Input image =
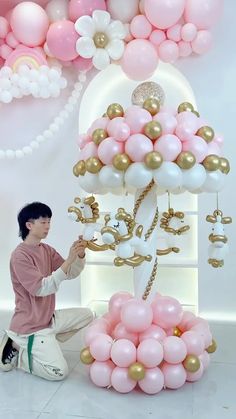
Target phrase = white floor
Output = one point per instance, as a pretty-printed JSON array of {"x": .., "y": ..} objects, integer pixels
[{"x": 214, "y": 397}]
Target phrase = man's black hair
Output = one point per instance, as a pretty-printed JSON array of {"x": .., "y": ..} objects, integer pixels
[{"x": 32, "y": 211}]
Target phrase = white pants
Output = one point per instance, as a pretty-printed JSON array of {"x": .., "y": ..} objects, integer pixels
[{"x": 47, "y": 359}]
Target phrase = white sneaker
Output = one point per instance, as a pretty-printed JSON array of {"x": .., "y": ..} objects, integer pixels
[{"x": 8, "y": 354}]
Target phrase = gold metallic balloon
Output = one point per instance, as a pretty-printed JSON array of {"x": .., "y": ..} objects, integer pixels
[
  {"x": 152, "y": 105},
  {"x": 136, "y": 371},
  {"x": 224, "y": 165},
  {"x": 211, "y": 162},
  {"x": 177, "y": 332},
  {"x": 79, "y": 168},
  {"x": 191, "y": 363},
  {"x": 153, "y": 130},
  {"x": 196, "y": 113},
  {"x": 207, "y": 133},
  {"x": 100, "y": 39},
  {"x": 114, "y": 110},
  {"x": 153, "y": 160},
  {"x": 186, "y": 160},
  {"x": 93, "y": 165},
  {"x": 121, "y": 161},
  {"x": 99, "y": 135},
  {"x": 86, "y": 356},
  {"x": 185, "y": 106},
  {"x": 212, "y": 348}
]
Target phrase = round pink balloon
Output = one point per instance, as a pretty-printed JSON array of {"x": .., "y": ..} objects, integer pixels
[
  {"x": 61, "y": 40},
  {"x": 82, "y": 140},
  {"x": 98, "y": 123},
  {"x": 116, "y": 302},
  {"x": 120, "y": 380},
  {"x": 187, "y": 317},
  {"x": 4, "y": 27},
  {"x": 79, "y": 8},
  {"x": 100, "y": 373},
  {"x": 136, "y": 315},
  {"x": 203, "y": 13},
  {"x": 169, "y": 146},
  {"x": 139, "y": 60},
  {"x": 100, "y": 347},
  {"x": 164, "y": 13},
  {"x": 204, "y": 332},
  {"x": 91, "y": 333},
  {"x": 185, "y": 49},
  {"x": 157, "y": 37},
  {"x": 194, "y": 342},
  {"x": 167, "y": 312},
  {"x": 108, "y": 148},
  {"x": 89, "y": 150},
  {"x": 140, "y": 27},
  {"x": 82, "y": 64},
  {"x": 188, "y": 32},
  {"x": 120, "y": 332},
  {"x": 188, "y": 124},
  {"x": 29, "y": 23},
  {"x": 150, "y": 353},
  {"x": 203, "y": 42},
  {"x": 153, "y": 332},
  {"x": 174, "y": 375},
  {"x": 137, "y": 118},
  {"x": 137, "y": 146},
  {"x": 197, "y": 146},
  {"x": 168, "y": 51},
  {"x": 168, "y": 122},
  {"x": 123, "y": 352},
  {"x": 214, "y": 148},
  {"x": 153, "y": 382},
  {"x": 11, "y": 40},
  {"x": 205, "y": 359},
  {"x": 175, "y": 350},
  {"x": 118, "y": 129}
]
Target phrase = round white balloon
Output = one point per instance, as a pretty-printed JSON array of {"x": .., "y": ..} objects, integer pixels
[
  {"x": 123, "y": 10},
  {"x": 194, "y": 178},
  {"x": 168, "y": 176},
  {"x": 110, "y": 177},
  {"x": 57, "y": 10},
  {"x": 214, "y": 181},
  {"x": 138, "y": 176},
  {"x": 89, "y": 182}
]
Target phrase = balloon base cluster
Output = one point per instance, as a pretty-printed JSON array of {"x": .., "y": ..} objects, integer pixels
[{"x": 153, "y": 346}]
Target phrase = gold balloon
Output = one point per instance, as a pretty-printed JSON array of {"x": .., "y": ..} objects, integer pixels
[
  {"x": 212, "y": 348},
  {"x": 196, "y": 113},
  {"x": 224, "y": 165},
  {"x": 207, "y": 133},
  {"x": 114, "y": 110},
  {"x": 153, "y": 160},
  {"x": 185, "y": 106},
  {"x": 177, "y": 332},
  {"x": 121, "y": 161},
  {"x": 211, "y": 162},
  {"x": 153, "y": 130},
  {"x": 86, "y": 356},
  {"x": 136, "y": 371},
  {"x": 79, "y": 168},
  {"x": 93, "y": 165},
  {"x": 191, "y": 363},
  {"x": 100, "y": 39},
  {"x": 152, "y": 105},
  {"x": 186, "y": 160},
  {"x": 99, "y": 135}
]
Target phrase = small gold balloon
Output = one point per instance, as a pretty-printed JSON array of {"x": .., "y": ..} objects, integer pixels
[
  {"x": 177, "y": 332},
  {"x": 100, "y": 39},
  {"x": 186, "y": 160},
  {"x": 224, "y": 165},
  {"x": 136, "y": 371},
  {"x": 211, "y": 162},
  {"x": 207, "y": 133},
  {"x": 104, "y": 115},
  {"x": 86, "y": 356},
  {"x": 191, "y": 363},
  {"x": 93, "y": 165},
  {"x": 121, "y": 161},
  {"x": 185, "y": 106},
  {"x": 79, "y": 168},
  {"x": 153, "y": 130},
  {"x": 114, "y": 110},
  {"x": 153, "y": 160},
  {"x": 99, "y": 135},
  {"x": 152, "y": 105},
  {"x": 212, "y": 348},
  {"x": 196, "y": 113}
]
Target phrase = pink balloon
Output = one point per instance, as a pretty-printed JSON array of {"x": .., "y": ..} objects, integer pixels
[
  {"x": 82, "y": 64},
  {"x": 153, "y": 381},
  {"x": 137, "y": 146},
  {"x": 79, "y": 8},
  {"x": 100, "y": 373},
  {"x": 120, "y": 332},
  {"x": 214, "y": 148},
  {"x": 29, "y": 23},
  {"x": 205, "y": 359},
  {"x": 174, "y": 375},
  {"x": 89, "y": 150},
  {"x": 195, "y": 376},
  {"x": 185, "y": 49},
  {"x": 150, "y": 353},
  {"x": 82, "y": 140},
  {"x": 188, "y": 124},
  {"x": 174, "y": 33},
  {"x": 137, "y": 118},
  {"x": 194, "y": 342},
  {"x": 168, "y": 51},
  {"x": 169, "y": 146},
  {"x": 164, "y": 13},
  {"x": 108, "y": 148},
  {"x": 120, "y": 380},
  {"x": 116, "y": 302},
  {"x": 98, "y": 123},
  {"x": 219, "y": 140},
  {"x": 136, "y": 315},
  {"x": 168, "y": 122},
  {"x": 118, "y": 129},
  {"x": 123, "y": 353},
  {"x": 11, "y": 40},
  {"x": 157, "y": 37},
  {"x": 197, "y": 146},
  {"x": 140, "y": 27},
  {"x": 202, "y": 43},
  {"x": 139, "y": 60},
  {"x": 101, "y": 322},
  {"x": 188, "y": 32},
  {"x": 167, "y": 312},
  {"x": 203, "y": 13},
  {"x": 204, "y": 332},
  {"x": 187, "y": 317},
  {"x": 91, "y": 333},
  {"x": 4, "y": 27},
  {"x": 61, "y": 40},
  {"x": 153, "y": 332},
  {"x": 5, "y": 51},
  {"x": 100, "y": 347},
  {"x": 175, "y": 350}
]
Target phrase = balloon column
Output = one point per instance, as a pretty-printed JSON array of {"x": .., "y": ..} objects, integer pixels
[{"x": 36, "y": 43}]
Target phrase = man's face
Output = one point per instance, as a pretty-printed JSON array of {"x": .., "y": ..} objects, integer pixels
[{"x": 39, "y": 228}]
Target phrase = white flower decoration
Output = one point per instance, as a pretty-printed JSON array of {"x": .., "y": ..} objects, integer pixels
[{"x": 101, "y": 38}]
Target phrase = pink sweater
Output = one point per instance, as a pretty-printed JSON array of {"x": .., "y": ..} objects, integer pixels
[{"x": 28, "y": 266}]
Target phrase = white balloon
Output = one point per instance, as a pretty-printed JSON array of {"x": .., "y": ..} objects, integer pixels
[
  {"x": 110, "y": 177},
  {"x": 123, "y": 10},
  {"x": 5, "y": 96},
  {"x": 89, "y": 182},
  {"x": 137, "y": 175},
  {"x": 194, "y": 178},
  {"x": 178, "y": 190},
  {"x": 214, "y": 181},
  {"x": 57, "y": 10},
  {"x": 168, "y": 176}
]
